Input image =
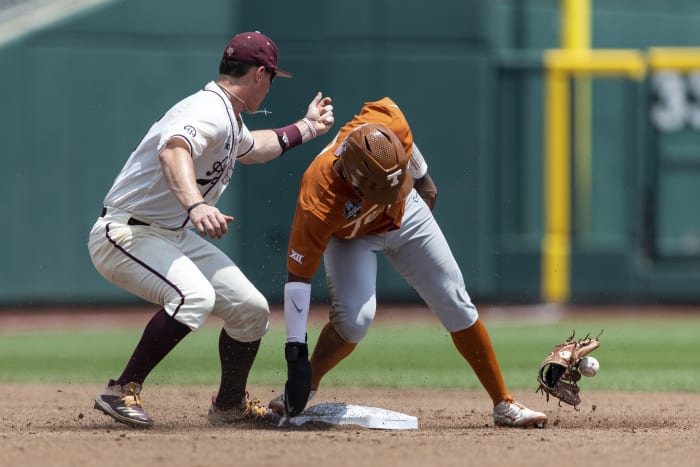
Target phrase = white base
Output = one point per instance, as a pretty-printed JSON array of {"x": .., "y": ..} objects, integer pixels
[{"x": 344, "y": 414}]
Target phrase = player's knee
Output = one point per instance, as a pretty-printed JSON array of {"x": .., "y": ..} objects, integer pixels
[
  {"x": 258, "y": 312},
  {"x": 351, "y": 335},
  {"x": 456, "y": 315},
  {"x": 351, "y": 332},
  {"x": 203, "y": 300},
  {"x": 194, "y": 308},
  {"x": 352, "y": 320},
  {"x": 248, "y": 321}
]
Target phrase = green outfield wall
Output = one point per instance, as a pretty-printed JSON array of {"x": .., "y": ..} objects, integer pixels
[{"x": 77, "y": 97}]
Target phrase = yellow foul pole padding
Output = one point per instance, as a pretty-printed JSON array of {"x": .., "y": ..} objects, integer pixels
[
  {"x": 575, "y": 19},
  {"x": 576, "y": 16},
  {"x": 556, "y": 244},
  {"x": 680, "y": 59},
  {"x": 560, "y": 65},
  {"x": 576, "y": 35}
]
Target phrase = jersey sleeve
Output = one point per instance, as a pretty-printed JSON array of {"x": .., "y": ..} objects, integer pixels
[
  {"x": 246, "y": 141},
  {"x": 308, "y": 240},
  {"x": 200, "y": 124}
]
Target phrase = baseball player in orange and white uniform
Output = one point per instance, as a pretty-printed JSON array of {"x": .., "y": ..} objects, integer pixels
[
  {"x": 145, "y": 239},
  {"x": 368, "y": 191}
]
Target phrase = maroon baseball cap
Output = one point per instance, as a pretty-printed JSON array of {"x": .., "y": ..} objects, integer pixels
[{"x": 256, "y": 49}]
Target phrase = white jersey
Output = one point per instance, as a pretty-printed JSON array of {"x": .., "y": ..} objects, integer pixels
[{"x": 207, "y": 122}]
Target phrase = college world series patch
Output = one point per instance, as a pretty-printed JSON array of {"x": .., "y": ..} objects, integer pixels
[{"x": 352, "y": 209}]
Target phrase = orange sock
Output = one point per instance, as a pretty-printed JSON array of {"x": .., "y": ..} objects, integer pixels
[
  {"x": 329, "y": 351},
  {"x": 474, "y": 344}
]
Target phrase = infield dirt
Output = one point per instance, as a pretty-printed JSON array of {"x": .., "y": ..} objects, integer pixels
[{"x": 55, "y": 425}]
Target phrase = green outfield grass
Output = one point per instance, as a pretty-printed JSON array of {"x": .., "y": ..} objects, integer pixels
[{"x": 644, "y": 355}]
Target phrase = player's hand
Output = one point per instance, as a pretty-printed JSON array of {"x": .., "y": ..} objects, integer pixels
[
  {"x": 298, "y": 385},
  {"x": 208, "y": 220},
  {"x": 320, "y": 113},
  {"x": 427, "y": 190}
]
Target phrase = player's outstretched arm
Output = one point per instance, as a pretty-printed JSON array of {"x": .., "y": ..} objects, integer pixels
[{"x": 272, "y": 143}]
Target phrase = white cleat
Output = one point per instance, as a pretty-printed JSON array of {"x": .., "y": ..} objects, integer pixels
[
  {"x": 513, "y": 414},
  {"x": 277, "y": 404}
]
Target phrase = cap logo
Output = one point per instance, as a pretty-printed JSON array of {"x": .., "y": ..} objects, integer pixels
[
  {"x": 229, "y": 51},
  {"x": 393, "y": 177}
]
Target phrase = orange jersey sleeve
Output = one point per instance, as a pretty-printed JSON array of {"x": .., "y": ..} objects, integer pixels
[{"x": 328, "y": 206}]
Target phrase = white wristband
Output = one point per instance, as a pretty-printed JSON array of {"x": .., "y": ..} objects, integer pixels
[
  {"x": 311, "y": 127},
  {"x": 297, "y": 299}
]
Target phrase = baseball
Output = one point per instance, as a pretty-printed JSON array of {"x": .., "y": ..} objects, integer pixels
[{"x": 588, "y": 366}]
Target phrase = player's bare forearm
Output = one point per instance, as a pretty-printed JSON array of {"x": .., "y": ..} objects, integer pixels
[
  {"x": 266, "y": 148},
  {"x": 426, "y": 189},
  {"x": 178, "y": 170},
  {"x": 317, "y": 121}
]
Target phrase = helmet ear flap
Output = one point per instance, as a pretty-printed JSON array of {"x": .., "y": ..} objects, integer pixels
[{"x": 352, "y": 165}]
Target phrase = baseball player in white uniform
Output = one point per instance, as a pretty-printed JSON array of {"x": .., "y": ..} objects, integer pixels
[{"x": 144, "y": 239}]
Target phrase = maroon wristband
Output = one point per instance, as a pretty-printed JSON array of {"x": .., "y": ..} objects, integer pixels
[{"x": 288, "y": 136}]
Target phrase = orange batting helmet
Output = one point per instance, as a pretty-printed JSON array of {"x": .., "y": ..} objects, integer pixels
[{"x": 375, "y": 163}]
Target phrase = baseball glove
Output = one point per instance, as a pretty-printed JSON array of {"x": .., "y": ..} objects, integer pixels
[{"x": 559, "y": 373}]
